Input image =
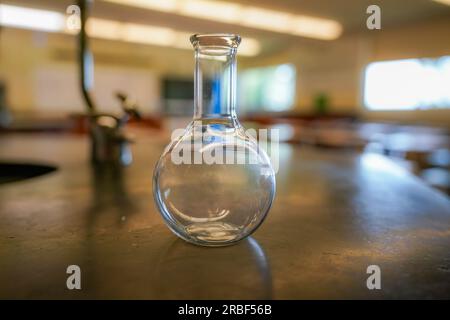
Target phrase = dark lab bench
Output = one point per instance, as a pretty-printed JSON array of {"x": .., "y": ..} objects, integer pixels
[{"x": 335, "y": 214}]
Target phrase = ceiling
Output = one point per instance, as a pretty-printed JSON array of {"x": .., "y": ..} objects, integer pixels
[{"x": 350, "y": 13}]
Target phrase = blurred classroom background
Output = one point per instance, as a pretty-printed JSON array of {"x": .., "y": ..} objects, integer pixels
[{"x": 311, "y": 68}]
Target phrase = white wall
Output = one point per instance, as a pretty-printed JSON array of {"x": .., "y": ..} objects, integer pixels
[
  {"x": 56, "y": 88},
  {"x": 41, "y": 72}
]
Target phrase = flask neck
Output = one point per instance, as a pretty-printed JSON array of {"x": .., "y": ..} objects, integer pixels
[{"x": 215, "y": 83}]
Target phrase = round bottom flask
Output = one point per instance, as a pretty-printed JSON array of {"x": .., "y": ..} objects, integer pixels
[{"x": 213, "y": 184}]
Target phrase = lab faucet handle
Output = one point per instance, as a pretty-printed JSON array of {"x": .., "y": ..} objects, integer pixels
[{"x": 129, "y": 106}]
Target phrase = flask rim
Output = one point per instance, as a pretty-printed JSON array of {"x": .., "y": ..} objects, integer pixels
[{"x": 215, "y": 40}]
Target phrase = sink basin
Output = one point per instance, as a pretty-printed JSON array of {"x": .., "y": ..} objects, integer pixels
[{"x": 11, "y": 171}]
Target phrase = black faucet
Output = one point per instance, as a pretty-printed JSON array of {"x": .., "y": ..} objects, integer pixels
[{"x": 109, "y": 141}]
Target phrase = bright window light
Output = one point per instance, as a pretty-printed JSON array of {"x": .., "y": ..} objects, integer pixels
[
  {"x": 267, "y": 89},
  {"x": 408, "y": 84}
]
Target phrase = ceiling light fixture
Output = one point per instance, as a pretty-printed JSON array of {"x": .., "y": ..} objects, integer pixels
[
  {"x": 52, "y": 21},
  {"x": 447, "y": 2},
  {"x": 217, "y": 10},
  {"x": 248, "y": 16},
  {"x": 159, "y": 5}
]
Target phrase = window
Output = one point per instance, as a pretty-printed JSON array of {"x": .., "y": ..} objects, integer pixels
[
  {"x": 267, "y": 89},
  {"x": 408, "y": 84}
]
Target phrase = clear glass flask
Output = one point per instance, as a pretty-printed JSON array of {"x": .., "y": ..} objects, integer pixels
[{"x": 213, "y": 184}]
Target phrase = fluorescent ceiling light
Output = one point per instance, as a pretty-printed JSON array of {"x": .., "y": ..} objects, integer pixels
[
  {"x": 148, "y": 34},
  {"x": 34, "y": 19},
  {"x": 217, "y": 10},
  {"x": 160, "y": 5},
  {"x": 266, "y": 19},
  {"x": 107, "y": 29},
  {"x": 52, "y": 21},
  {"x": 130, "y": 32},
  {"x": 447, "y": 2},
  {"x": 249, "y": 16},
  {"x": 145, "y": 34},
  {"x": 323, "y": 29}
]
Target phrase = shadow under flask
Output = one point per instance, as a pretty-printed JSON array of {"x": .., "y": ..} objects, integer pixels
[{"x": 213, "y": 184}]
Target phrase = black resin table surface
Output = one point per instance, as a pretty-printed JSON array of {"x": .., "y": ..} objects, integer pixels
[{"x": 335, "y": 213}]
